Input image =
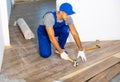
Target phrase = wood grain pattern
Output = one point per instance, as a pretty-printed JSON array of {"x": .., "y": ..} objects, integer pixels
[
  {"x": 106, "y": 75},
  {"x": 92, "y": 71}
]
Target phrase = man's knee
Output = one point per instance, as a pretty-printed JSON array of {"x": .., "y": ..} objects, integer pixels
[{"x": 45, "y": 54}]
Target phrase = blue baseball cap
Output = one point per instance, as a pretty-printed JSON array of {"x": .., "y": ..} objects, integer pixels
[{"x": 67, "y": 8}]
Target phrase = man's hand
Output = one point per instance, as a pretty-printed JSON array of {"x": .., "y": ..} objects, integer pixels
[
  {"x": 81, "y": 54},
  {"x": 64, "y": 56}
]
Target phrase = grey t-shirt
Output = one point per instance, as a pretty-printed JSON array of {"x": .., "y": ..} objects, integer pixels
[{"x": 49, "y": 20}]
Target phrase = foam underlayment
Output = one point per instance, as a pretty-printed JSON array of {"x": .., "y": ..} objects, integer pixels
[{"x": 28, "y": 34}]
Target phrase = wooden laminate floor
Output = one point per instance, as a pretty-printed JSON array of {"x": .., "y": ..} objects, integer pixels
[{"x": 22, "y": 61}]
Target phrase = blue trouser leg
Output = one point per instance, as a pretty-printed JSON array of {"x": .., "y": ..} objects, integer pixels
[
  {"x": 43, "y": 42},
  {"x": 62, "y": 33}
]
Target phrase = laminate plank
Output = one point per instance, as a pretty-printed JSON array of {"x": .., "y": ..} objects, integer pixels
[
  {"x": 106, "y": 75},
  {"x": 83, "y": 75}
]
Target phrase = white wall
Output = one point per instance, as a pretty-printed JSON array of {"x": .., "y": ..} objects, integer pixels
[
  {"x": 4, "y": 17},
  {"x": 96, "y": 19},
  {"x": 9, "y": 3},
  {"x": 1, "y": 43},
  {"x": 5, "y": 9},
  {"x": 13, "y": 2}
]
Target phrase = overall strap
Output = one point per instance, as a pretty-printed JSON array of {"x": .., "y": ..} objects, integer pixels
[{"x": 55, "y": 17}]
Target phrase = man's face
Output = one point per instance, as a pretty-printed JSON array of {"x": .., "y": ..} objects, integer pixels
[{"x": 65, "y": 16}]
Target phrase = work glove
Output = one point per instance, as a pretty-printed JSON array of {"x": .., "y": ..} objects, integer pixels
[
  {"x": 81, "y": 54},
  {"x": 64, "y": 56}
]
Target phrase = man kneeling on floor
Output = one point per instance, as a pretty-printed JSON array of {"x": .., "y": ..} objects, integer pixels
[{"x": 58, "y": 24}]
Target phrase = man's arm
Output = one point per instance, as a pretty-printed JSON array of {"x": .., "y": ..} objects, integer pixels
[
  {"x": 76, "y": 36},
  {"x": 55, "y": 43},
  {"x": 50, "y": 32}
]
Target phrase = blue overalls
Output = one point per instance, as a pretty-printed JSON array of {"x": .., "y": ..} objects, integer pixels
[{"x": 61, "y": 31}]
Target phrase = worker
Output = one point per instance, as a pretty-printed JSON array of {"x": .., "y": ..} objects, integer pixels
[{"x": 58, "y": 24}]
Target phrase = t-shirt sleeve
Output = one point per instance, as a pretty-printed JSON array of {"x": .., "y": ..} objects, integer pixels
[
  {"x": 49, "y": 20},
  {"x": 69, "y": 21}
]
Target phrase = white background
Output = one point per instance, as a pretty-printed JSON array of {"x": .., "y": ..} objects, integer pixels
[{"x": 96, "y": 19}]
